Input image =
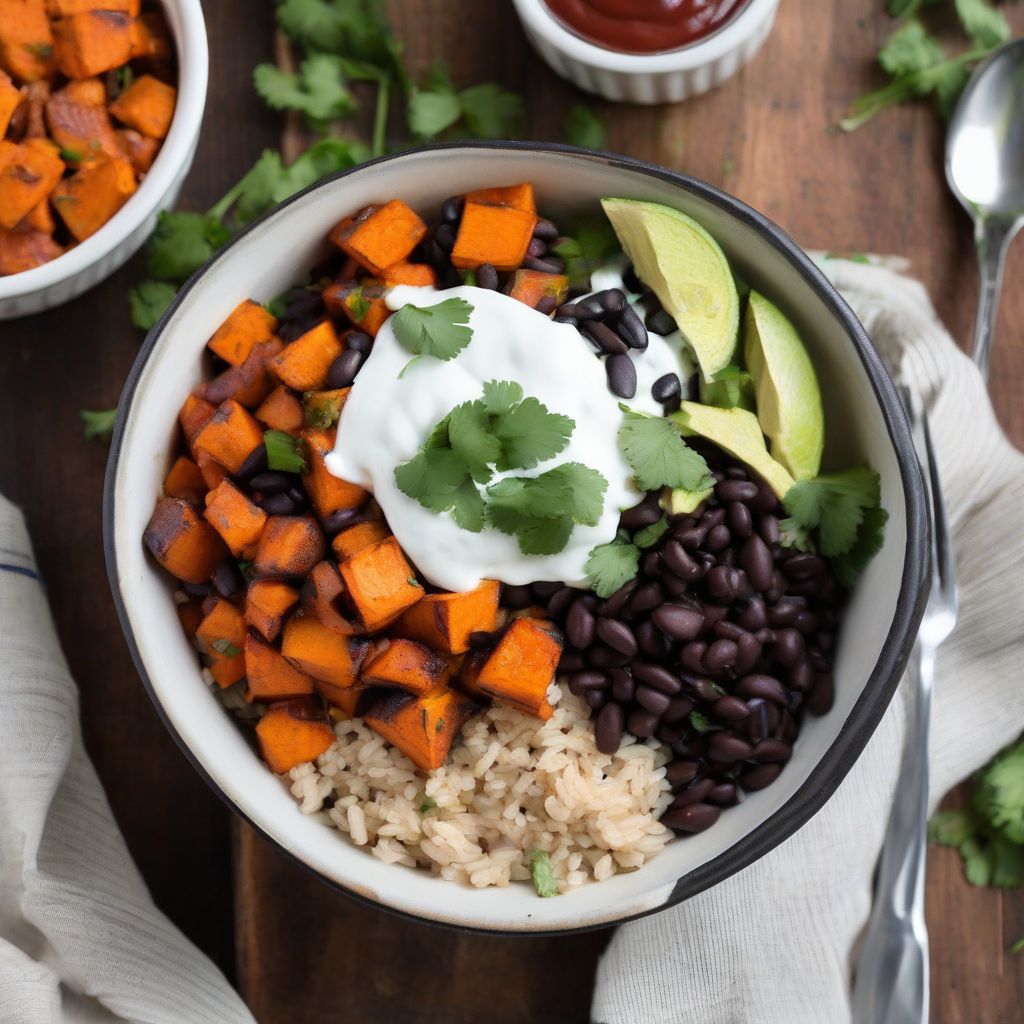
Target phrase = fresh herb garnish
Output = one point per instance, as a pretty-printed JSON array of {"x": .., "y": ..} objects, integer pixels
[
  {"x": 429, "y": 804},
  {"x": 650, "y": 535},
  {"x": 658, "y": 455},
  {"x": 226, "y": 647},
  {"x": 316, "y": 90},
  {"x": 612, "y": 565},
  {"x": 147, "y": 302},
  {"x": 70, "y": 156},
  {"x": 123, "y": 77},
  {"x": 486, "y": 111},
  {"x": 441, "y": 330},
  {"x": 285, "y": 454},
  {"x": 700, "y": 723},
  {"x": 584, "y": 128},
  {"x": 834, "y": 504},
  {"x": 592, "y": 242},
  {"x": 183, "y": 242},
  {"x": 321, "y": 409},
  {"x": 543, "y": 877},
  {"x": 97, "y": 424},
  {"x": 245, "y": 568}
]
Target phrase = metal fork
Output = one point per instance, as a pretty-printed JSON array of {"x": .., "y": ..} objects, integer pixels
[{"x": 891, "y": 973}]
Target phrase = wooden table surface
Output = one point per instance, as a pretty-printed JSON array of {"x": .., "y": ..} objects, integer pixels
[{"x": 298, "y": 951}]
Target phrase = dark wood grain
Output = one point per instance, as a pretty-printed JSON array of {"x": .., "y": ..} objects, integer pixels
[{"x": 765, "y": 136}]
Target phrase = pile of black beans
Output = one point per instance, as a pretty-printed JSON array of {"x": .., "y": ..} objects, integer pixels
[{"x": 716, "y": 648}]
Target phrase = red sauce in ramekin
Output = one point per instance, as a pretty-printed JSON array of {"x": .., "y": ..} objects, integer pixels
[{"x": 644, "y": 26}]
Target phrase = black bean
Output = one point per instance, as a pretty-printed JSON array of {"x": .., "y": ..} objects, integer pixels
[
  {"x": 667, "y": 389},
  {"x": 771, "y": 750},
  {"x": 596, "y": 699},
  {"x": 757, "y": 724},
  {"x": 724, "y": 583},
  {"x": 436, "y": 256},
  {"x": 739, "y": 520},
  {"x": 768, "y": 527},
  {"x": 632, "y": 329},
  {"x": 801, "y": 676},
  {"x": 804, "y": 566},
  {"x": 756, "y": 559},
  {"x": 537, "y": 247},
  {"x": 358, "y": 341},
  {"x": 788, "y": 648},
  {"x": 570, "y": 320},
  {"x": 680, "y": 773},
  {"x": 571, "y": 661},
  {"x": 713, "y": 517},
  {"x": 227, "y": 579},
  {"x": 621, "y": 376},
  {"x": 545, "y": 229},
  {"x": 735, "y": 473},
  {"x": 579, "y": 625},
  {"x": 617, "y": 635},
  {"x": 765, "y": 636},
  {"x": 736, "y": 490},
  {"x": 608, "y": 728},
  {"x": 723, "y": 794},
  {"x": 344, "y": 369},
  {"x": 678, "y": 709},
  {"x": 719, "y": 656},
  {"x": 483, "y": 639},
  {"x": 614, "y": 605},
  {"x": 255, "y": 463},
  {"x": 653, "y": 643},
  {"x": 587, "y": 680},
  {"x": 726, "y": 630},
  {"x": 652, "y": 700},
  {"x": 487, "y": 277},
  {"x": 546, "y": 304},
  {"x": 765, "y": 500},
  {"x": 515, "y": 597},
  {"x": 644, "y": 599},
  {"x": 681, "y": 563},
  {"x": 806, "y": 622},
  {"x": 692, "y": 656},
  {"x": 765, "y": 687},
  {"x": 445, "y": 237},
  {"x": 760, "y": 777},
  {"x": 196, "y": 589},
  {"x": 299, "y": 498},
  {"x": 748, "y": 653},
  {"x": 644, "y": 513},
  {"x": 784, "y": 613},
  {"x": 657, "y": 676},
  {"x": 695, "y": 818},
  {"x": 717, "y": 539},
  {"x": 819, "y": 699},
  {"x": 601, "y": 656},
  {"x": 550, "y": 265},
  {"x": 678, "y": 621},
  {"x": 754, "y": 616},
  {"x": 641, "y": 724},
  {"x": 546, "y": 589},
  {"x": 692, "y": 537},
  {"x": 623, "y": 685},
  {"x": 713, "y": 614},
  {"x": 340, "y": 519},
  {"x": 673, "y": 585},
  {"x": 824, "y": 639},
  {"x": 271, "y": 482},
  {"x": 660, "y": 322},
  {"x": 693, "y": 794},
  {"x": 601, "y": 335},
  {"x": 451, "y": 209},
  {"x": 277, "y": 505},
  {"x": 730, "y": 709},
  {"x": 612, "y": 300},
  {"x": 728, "y": 747}
]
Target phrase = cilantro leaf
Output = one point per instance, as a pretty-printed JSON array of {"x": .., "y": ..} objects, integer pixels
[
  {"x": 433, "y": 110},
  {"x": 432, "y": 477},
  {"x": 650, "y": 535},
  {"x": 910, "y": 48},
  {"x": 429, "y": 803},
  {"x": 986, "y": 26},
  {"x": 148, "y": 300},
  {"x": 441, "y": 330},
  {"x": 999, "y": 796},
  {"x": 583, "y": 127},
  {"x": 540, "y": 871},
  {"x": 501, "y": 395},
  {"x": 226, "y": 647},
  {"x": 285, "y": 453},
  {"x": 700, "y": 723},
  {"x": 470, "y": 438},
  {"x": 952, "y": 828},
  {"x": 592, "y": 242},
  {"x": 870, "y": 537},
  {"x": 182, "y": 243},
  {"x": 539, "y": 536},
  {"x": 528, "y": 434},
  {"x": 834, "y": 505},
  {"x": 316, "y": 90},
  {"x": 97, "y": 424},
  {"x": 793, "y": 535},
  {"x": 486, "y": 111},
  {"x": 657, "y": 454},
  {"x": 491, "y": 112},
  {"x": 611, "y": 565},
  {"x": 467, "y": 507},
  {"x": 571, "y": 489}
]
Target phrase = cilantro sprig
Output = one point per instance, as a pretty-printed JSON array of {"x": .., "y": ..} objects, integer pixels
[
  {"x": 658, "y": 455},
  {"x": 484, "y": 111},
  {"x": 97, "y": 423},
  {"x": 612, "y": 565},
  {"x": 583, "y": 127},
  {"x": 317, "y": 89},
  {"x": 285, "y": 454},
  {"x": 591, "y": 243},
  {"x": 441, "y": 330}
]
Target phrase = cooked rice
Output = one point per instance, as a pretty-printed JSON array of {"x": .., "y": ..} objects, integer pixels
[{"x": 513, "y": 784}]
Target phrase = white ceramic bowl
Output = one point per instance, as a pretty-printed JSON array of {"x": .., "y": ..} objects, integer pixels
[
  {"x": 666, "y": 77},
  {"x": 865, "y": 421},
  {"x": 119, "y": 239}
]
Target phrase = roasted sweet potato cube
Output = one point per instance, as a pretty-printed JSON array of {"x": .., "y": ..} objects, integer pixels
[
  {"x": 39, "y": 218},
  {"x": 269, "y": 675},
  {"x": 92, "y": 42},
  {"x": 214, "y": 474},
  {"x": 147, "y": 105},
  {"x": 423, "y": 728},
  {"x": 321, "y": 652},
  {"x": 221, "y": 637},
  {"x": 351, "y": 700},
  {"x": 190, "y": 615},
  {"x": 184, "y": 480},
  {"x": 328, "y": 492},
  {"x": 78, "y": 122},
  {"x": 445, "y": 622},
  {"x": 361, "y": 302},
  {"x": 26, "y": 41},
  {"x": 151, "y": 41},
  {"x": 10, "y": 100},
  {"x": 249, "y": 383},
  {"x": 267, "y": 602},
  {"x": 321, "y": 409},
  {"x": 416, "y": 274},
  {"x": 93, "y": 194},
  {"x": 355, "y": 538},
  {"x": 381, "y": 236},
  {"x": 182, "y": 541},
  {"x": 380, "y": 583},
  {"x": 140, "y": 149},
  {"x": 26, "y": 250},
  {"x": 520, "y": 669},
  {"x": 236, "y": 518},
  {"x": 28, "y": 174},
  {"x": 519, "y": 197},
  {"x": 195, "y": 413},
  {"x": 406, "y": 665},
  {"x": 303, "y": 364},
  {"x": 246, "y": 326},
  {"x": 231, "y": 436},
  {"x": 498, "y": 235},
  {"x": 282, "y": 410},
  {"x": 289, "y": 547},
  {"x": 531, "y": 286},
  {"x": 321, "y": 595},
  {"x": 292, "y": 733}
]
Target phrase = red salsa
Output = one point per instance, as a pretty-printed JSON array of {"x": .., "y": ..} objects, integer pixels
[{"x": 644, "y": 26}]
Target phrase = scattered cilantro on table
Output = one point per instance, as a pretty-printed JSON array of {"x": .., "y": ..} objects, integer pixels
[
  {"x": 583, "y": 127},
  {"x": 98, "y": 423},
  {"x": 317, "y": 89},
  {"x": 148, "y": 301},
  {"x": 441, "y": 331},
  {"x": 483, "y": 111},
  {"x": 540, "y": 871}
]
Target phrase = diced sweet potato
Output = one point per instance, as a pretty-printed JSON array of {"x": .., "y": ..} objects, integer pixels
[
  {"x": 234, "y": 516},
  {"x": 92, "y": 42},
  {"x": 303, "y": 364},
  {"x": 10, "y": 100},
  {"x": 231, "y": 436},
  {"x": 321, "y": 409},
  {"x": 26, "y": 41},
  {"x": 26, "y": 250},
  {"x": 416, "y": 274},
  {"x": 362, "y": 302},
  {"x": 380, "y": 583},
  {"x": 33, "y": 110},
  {"x": 190, "y": 615},
  {"x": 282, "y": 410},
  {"x": 289, "y": 547},
  {"x": 321, "y": 652},
  {"x": 530, "y": 286},
  {"x": 446, "y": 621},
  {"x": 93, "y": 194},
  {"x": 150, "y": 39},
  {"x": 39, "y": 218},
  {"x": 351, "y": 700},
  {"x": 267, "y": 602},
  {"x": 320, "y": 597},
  {"x": 328, "y": 492},
  {"x": 213, "y": 472},
  {"x": 520, "y": 669},
  {"x": 269, "y": 675},
  {"x": 78, "y": 122},
  {"x": 195, "y": 413},
  {"x": 423, "y": 728},
  {"x": 147, "y": 105},
  {"x": 381, "y": 236},
  {"x": 221, "y": 637},
  {"x": 182, "y": 541},
  {"x": 140, "y": 149},
  {"x": 184, "y": 480},
  {"x": 519, "y": 197},
  {"x": 293, "y": 732},
  {"x": 246, "y": 326},
  {"x": 406, "y": 665},
  {"x": 498, "y": 235},
  {"x": 28, "y": 174},
  {"x": 355, "y": 538},
  {"x": 249, "y": 383},
  {"x": 61, "y": 8}
]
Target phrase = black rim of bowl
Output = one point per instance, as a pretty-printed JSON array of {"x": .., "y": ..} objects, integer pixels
[{"x": 884, "y": 677}]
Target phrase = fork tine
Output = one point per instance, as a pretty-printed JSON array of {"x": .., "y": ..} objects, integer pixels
[{"x": 942, "y": 546}]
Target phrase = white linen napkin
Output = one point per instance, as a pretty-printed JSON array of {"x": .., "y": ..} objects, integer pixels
[
  {"x": 774, "y": 943},
  {"x": 81, "y": 941}
]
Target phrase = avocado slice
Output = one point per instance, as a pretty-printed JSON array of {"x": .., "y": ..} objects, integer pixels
[
  {"x": 681, "y": 502},
  {"x": 686, "y": 268},
  {"x": 788, "y": 397},
  {"x": 739, "y": 433}
]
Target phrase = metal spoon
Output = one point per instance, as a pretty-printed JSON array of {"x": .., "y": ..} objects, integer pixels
[{"x": 985, "y": 170}]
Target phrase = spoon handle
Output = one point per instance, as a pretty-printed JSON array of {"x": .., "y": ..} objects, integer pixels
[{"x": 991, "y": 238}]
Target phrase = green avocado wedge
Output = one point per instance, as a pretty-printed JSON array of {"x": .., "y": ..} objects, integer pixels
[
  {"x": 738, "y": 432},
  {"x": 686, "y": 268},
  {"x": 788, "y": 397}
]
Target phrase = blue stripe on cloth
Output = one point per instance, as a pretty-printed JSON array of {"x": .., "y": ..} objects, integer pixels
[{"x": 20, "y": 570}]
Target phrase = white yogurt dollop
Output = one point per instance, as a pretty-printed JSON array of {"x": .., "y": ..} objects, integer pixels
[{"x": 387, "y": 418}]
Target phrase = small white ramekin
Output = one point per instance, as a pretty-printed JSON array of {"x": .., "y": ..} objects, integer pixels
[
  {"x": 119, "y": 239},
  {"x": 648, "y": 78}
]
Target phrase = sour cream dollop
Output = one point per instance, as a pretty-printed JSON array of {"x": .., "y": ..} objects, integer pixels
[{"x": 387, "y": 418}]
